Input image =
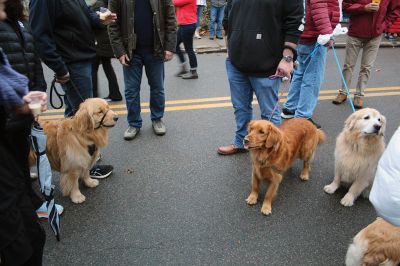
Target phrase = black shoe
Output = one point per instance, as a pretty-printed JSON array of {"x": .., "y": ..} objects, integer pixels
[
  {"x": 220, "y": 37},
  {"x": 108, "y": 99},
  {"x": 286, "y": 114},
  {"x": 211, "y": 38},
  {"x": 101, "y": 171},
  {"x": 315, "y": 124}
]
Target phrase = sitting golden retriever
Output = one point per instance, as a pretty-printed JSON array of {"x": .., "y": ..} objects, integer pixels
[
  {"x": 377, "y": 244},
  {"x": 273, "y": 151},
  {"x": 358, "y": 149},
  {"x": 73, "y": 144}
]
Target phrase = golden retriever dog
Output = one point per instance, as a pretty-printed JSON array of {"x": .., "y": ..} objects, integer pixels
[
  {"x": 377, "y": 244},
  {"x": 358, "y": 149},
  {"x": 273, "y": 151},
  {"x": 73, "y": 144}
]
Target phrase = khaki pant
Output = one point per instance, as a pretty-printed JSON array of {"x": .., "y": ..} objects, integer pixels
[{"x": 370, "y": 50}]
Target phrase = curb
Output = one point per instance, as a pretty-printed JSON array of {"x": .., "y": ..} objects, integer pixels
[{"x": 211, "y": 50}]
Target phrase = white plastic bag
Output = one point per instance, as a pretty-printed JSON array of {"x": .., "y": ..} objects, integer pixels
[{"x": 385, "y": 192}]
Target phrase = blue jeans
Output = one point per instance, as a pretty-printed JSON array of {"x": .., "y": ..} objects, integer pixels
[
  {"x": 81, "y": 77},
  {"x": 200, "y": 10},
  {"x": 217, "y": 15},
  {"x": 185, "y": 35},
  {"x": 154, "y": 67},
  {"x": 306, "y": 82},
  {"x": 242, "y": 88}
]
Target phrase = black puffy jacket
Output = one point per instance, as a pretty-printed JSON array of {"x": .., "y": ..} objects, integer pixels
[{"x": 17, "y": 43}]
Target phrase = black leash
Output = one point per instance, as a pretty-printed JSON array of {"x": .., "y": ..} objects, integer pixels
[{"x": 53, "y": 89}]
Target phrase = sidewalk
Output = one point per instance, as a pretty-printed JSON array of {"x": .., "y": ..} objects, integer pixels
[{"x": 205, "y": 45}]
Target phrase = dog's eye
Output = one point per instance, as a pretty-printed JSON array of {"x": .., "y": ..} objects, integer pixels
[
  {"x": 366, "y": 117},
  {"x": 379, "y": 119},
  {"x": 261, "y": 131}
]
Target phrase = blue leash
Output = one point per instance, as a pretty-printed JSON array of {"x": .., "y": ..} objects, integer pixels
[{"x": 344, "y": 82}]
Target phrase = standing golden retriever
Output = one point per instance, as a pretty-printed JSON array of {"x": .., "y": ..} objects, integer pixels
[
  {"x": 358, "y": 149},
  {"x": 377, "y": 244},
  {"x": 73, "y": 144},
  {"x": 273, "y": 151}
]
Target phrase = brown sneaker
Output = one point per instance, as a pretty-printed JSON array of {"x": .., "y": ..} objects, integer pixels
[
  {"x": 358, "y": 101},
  {"x": 230, "y": 149},
  {"x": 340, "y": 98}
]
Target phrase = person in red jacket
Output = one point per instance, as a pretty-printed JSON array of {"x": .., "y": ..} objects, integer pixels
[
  {"x": 322, "y": 16},
  {"x": 186, "y": 16},
  {"x": 367, "y": 23}
]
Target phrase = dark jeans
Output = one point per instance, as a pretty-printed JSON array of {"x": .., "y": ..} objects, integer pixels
[
  {"x": 79, "y": 88},
  {"x": 154, "y": 67},
  {"x": 185, "y": 35},
  {"x": 113, "y": 88}
]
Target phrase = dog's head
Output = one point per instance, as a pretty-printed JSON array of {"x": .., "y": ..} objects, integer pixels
[
  {"x": 95, "y": 113},
  {"x": 366, "y": 122},
  {"x": 262, "y": 134}
]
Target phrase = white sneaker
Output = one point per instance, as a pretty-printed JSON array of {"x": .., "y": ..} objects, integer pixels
[{"x": 197, "y": 35}]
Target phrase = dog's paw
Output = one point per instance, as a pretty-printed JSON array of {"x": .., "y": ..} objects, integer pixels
[
  {"x": 77, "y": 198},
  {"x": 252, "y": 199},
  {"x": 347, "y": 200},
  {"x": 266, "y": 210},
  {"x": 304, "y": 177},
  {"x": 330, "y": 189},
  {"x": 90, "y": 182}
]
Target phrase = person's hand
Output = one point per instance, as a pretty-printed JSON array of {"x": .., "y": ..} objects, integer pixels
[
  {"x": 39, "y": 96},
  {"x": 124, "y": 60},
  {"x": 63, "y": 79},
  {"x": 168, "y": 56},
  {"x": 329, "y": 44},
  {"x": 109, "y": 19},
  {"x": 284, "y": 69},
  {"x": 371, "y": 7}
]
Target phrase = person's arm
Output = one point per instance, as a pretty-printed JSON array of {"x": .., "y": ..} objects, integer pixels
[
  {"x": 320, "y": 15},
  {"x": 393, "y": 13},
  {"x": 182, "y": 2},
  {"x": 225, "y": 21},
  {"x": 42, "y": 20},
  {"x": 114, "y": 30},
  {"x": 351, "y": 7},
  {"x": 170, "y": 27}
]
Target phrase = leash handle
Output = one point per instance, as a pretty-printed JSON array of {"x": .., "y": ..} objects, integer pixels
[
  {"x": 343, "y": 80},
  {"x": 60, "y": 96}
]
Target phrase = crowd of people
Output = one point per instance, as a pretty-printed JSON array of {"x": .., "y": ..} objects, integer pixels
[{"x": 73, "y": 40}]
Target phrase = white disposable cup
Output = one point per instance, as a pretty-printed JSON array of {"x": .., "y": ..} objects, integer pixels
[{"x": 35, "y": 105}]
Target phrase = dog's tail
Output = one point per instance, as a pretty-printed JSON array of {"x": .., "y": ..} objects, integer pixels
[
  {"x": 321, "y": 136},
  {"x": 356, "y": 251}
]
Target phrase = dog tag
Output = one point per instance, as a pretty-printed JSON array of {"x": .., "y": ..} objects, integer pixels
[{"x": 258, "y": 36}]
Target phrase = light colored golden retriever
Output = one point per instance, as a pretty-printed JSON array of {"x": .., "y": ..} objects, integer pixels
[
  {"x": 358, "y": 149},
  {"x": 273, "y": 151},
  {"x": 377, "y": 244},
  {"x": 73, "y": 144}
]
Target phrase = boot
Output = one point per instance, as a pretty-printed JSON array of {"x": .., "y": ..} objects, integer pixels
[
  {"x": 340, "y": 98},
  {"x": 358, "y": 101},
  {"x": 192, "y": 74},
  {"x": 183, "y": 71}
]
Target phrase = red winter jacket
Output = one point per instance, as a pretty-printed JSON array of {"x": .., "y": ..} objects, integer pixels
[
  {"x": 395, "y": 28},
  {"x": 186, "y": 11},
  {"x": 322, "y": 16},
  {"x": 368, "y": 25}
]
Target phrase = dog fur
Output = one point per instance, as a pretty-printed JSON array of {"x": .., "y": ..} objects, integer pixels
[
  {"x": 377, "y": 244},
  {"x": 358, "y": 149},
  {"x": 273, "y": 151},
  {"x": 68, "y": 141}
]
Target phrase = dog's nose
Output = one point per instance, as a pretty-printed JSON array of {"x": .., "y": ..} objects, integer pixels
[
  {"x": 377, "y": 127},
  {"x": 115, "y": 118}
]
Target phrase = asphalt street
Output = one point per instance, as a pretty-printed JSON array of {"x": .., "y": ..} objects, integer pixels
[{"x": 173, "y": 200}]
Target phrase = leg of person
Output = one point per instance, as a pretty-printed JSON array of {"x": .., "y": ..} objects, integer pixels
[
  {"x": 187, "y": 34},
  {"x": 220, "y": 17},
  {"x": 353, "y": 47},
  {"x": 303, "y": 57},
  {"x": 241, "y": 97},
  {"x": 213, "y": 18},
  {"x": 369, "y": 53},
  {"x": 311, "y": 85},
  {"x": 95, "y": 69},
  {"x": 80, "y": 87},
  {"x": 113, "y": 88},
  {"x": 267, "y": 92},
  {"x": 179, "y": 39},
  {"x": 200, "y": 9},
  {"x": 132, "y": 79},
  {"x": 154, "y": 67}
]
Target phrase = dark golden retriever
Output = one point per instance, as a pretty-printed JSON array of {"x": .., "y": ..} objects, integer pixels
[
  {"x": 73, "y": 144},
  {"x": 273, "y": 151}
]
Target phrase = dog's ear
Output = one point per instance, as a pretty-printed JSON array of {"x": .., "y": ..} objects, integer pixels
[
  {"x": 383, "y": 126},
  {"x": 84, "y": 117},
  {"x": 350, "y": 122},
  {"x": 273, "y": 138}
]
